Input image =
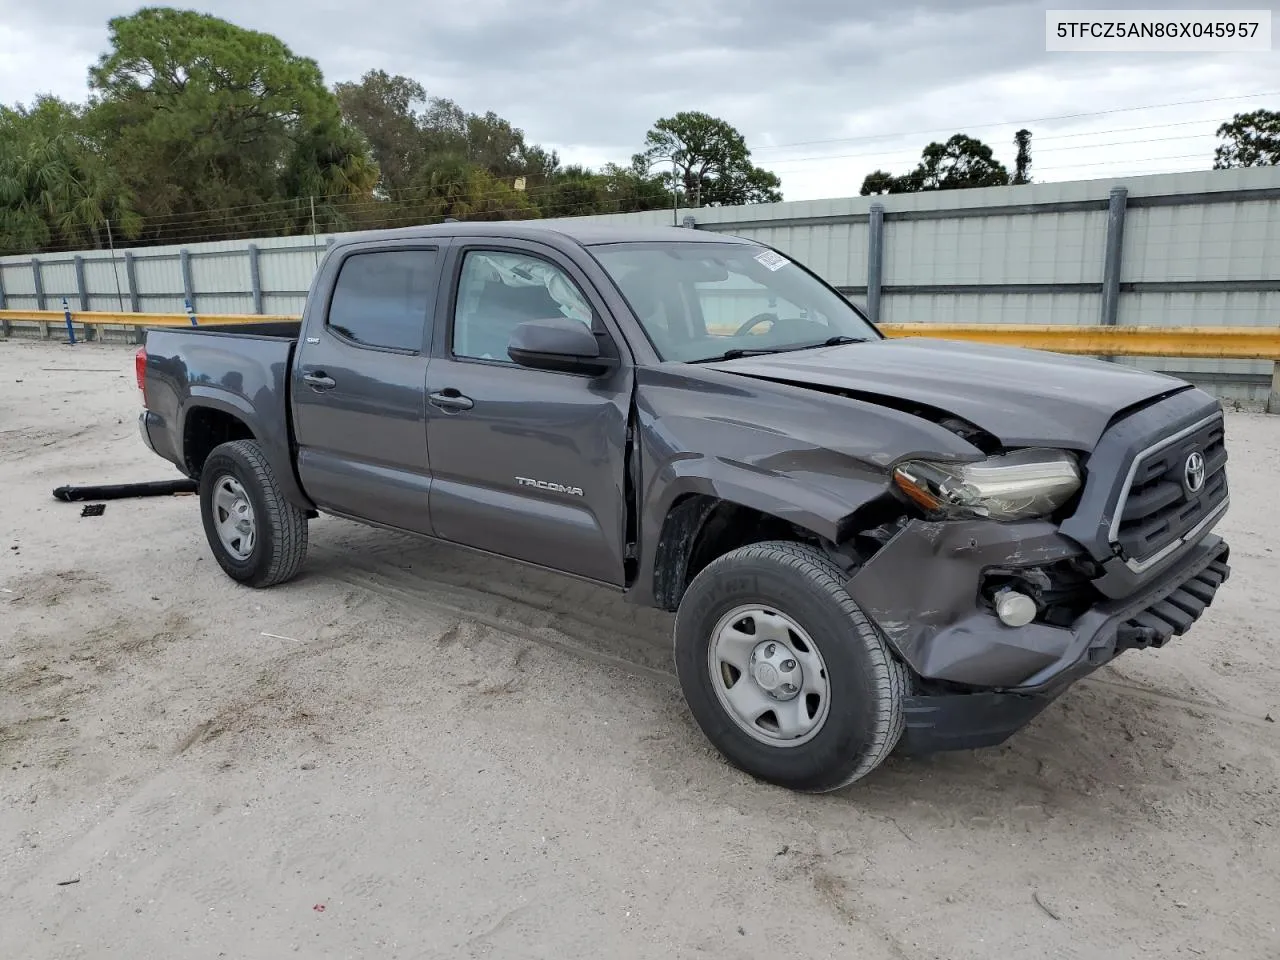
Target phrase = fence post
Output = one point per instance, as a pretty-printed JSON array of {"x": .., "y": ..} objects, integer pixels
[
  {"x": 37, "y": 281},
  {"x": 1273, "y": 400},
  {"x": 184, "y": 257},
  {"x": 1112, "y": 259},
  {"x": 255, "y": 277},
  {"x": 875, "y": 260},
  {"x": 4, "y": 321},
  {"x": 131, "y": 274},
  {"x": 82, "y": 293}
]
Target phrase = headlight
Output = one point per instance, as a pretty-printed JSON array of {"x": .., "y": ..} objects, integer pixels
[{"x": 1013, "y": 486}]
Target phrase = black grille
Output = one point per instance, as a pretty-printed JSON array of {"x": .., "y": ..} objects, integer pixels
[
  {"x": 1175, "y": 613},
  {"x": 1159, "y": 506}
]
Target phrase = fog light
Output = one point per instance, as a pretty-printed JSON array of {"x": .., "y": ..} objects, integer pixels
[{"x": 1014, "y": 609}]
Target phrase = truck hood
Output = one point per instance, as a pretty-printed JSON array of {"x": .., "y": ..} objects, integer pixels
[{"x": 1022, "y": 397}]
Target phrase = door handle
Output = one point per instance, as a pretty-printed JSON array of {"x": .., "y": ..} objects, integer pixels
[
  {"x": 451, "y": 400},
  {"x": 319, "y": 381}
]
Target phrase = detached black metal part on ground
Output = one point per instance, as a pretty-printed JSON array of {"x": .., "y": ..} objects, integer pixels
[{"x": 122, "y": 491}]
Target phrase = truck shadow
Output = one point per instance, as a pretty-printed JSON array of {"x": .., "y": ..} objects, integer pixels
[{"x": 1100, "y": 748}]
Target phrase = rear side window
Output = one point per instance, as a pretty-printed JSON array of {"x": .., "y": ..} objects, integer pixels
[{"x": 384, "y": 299}]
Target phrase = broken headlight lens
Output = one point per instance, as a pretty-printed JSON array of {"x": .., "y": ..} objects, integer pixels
[{"x": 1011, "y": 486}]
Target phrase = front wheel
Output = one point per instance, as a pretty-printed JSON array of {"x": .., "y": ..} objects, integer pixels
[
  {"x": 783, "y": 672},
  {"x": 258, "y": 537}
]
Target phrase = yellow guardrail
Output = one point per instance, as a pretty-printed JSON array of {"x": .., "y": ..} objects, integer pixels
[
  {"x": 1226, "y": 343},
  {"x": 1222, "y": 343},
  {"x": 100, "y": 318}
]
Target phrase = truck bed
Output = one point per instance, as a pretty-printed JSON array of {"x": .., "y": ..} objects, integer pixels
[{"x": 242, "y": 370}]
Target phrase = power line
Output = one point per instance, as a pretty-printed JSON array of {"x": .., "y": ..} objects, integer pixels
[
  {"x": 1011, "y": 123},
  {"x": 906, "y": 157},
  {"x": 282, "y": 215},
  {"x": 398, "y": 215},
  {"x": 283, "y": 210}
]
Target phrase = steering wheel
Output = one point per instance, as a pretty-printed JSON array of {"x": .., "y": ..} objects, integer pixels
[{"x": 754, "y": 322}]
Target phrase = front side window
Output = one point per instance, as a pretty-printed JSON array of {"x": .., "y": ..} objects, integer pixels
[
  {"x": 384, "y": 298},
  {"x": 499, "y": 290},
  {"x": 702, "y": 300}
]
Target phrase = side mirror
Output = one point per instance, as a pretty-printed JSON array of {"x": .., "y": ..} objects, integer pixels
[{"x": 559, "y": 344}]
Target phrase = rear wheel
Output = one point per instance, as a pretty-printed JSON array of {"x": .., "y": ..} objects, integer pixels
[
  {"x": 257, "y": 536},
  {"x": 783, "y": 672}
]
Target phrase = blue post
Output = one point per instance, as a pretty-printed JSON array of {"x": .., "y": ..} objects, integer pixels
[
  {"x": 190, "y": 313},
  {"x": 71, "y": 329}
]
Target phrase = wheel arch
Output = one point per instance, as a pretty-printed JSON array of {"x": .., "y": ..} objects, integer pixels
[
  {"x": 211, "y": 418},
  {"x": 702, "y": 519},
  {"x": 206, "y": 426}
]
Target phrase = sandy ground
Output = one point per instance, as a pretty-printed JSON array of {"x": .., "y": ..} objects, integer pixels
[{"x": 413, "y": 752}]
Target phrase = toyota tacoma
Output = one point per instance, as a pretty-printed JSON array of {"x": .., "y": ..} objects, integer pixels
[{"x": 868, "y": 543}]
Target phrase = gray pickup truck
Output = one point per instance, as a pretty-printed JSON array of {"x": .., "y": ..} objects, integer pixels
[{"x": 868, "y": 543}]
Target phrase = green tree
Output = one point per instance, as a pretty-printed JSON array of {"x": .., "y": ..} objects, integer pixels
[
  {"x": 1022, "y": 163},
  {"x": 571, "y": 192},
  {"x": 331, "y": 170},
  {"x": 484, "y": 140},
  {"x": 879, "y": 182},
  {"x": 635, "y": 188},
  {"x": 1251, "y": 140},
  {"x": 201, "y": 115},
  {"x": 962, "y": 162},
  {"x": 56, "y": 190},
  {"x": 712, "y": 158},
  {"x": 383, "y": 108}
]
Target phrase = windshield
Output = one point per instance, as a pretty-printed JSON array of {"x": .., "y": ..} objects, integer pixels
[{"x": 703, "y": 301}]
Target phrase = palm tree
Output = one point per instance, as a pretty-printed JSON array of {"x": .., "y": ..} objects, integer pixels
[{"x": 55, "y": 188}]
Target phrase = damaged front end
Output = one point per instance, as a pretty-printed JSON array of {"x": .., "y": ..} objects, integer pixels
[
  {"x": 996, "y": 616},
  {"x": 933, "y": 591}
]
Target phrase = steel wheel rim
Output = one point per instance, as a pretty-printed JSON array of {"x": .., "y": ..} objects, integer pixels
[
  {"x": 233, "y": 518},
  {"x": 779, "y": 696}
]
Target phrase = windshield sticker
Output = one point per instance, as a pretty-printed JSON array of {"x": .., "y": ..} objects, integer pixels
[{"x": 772, "y": 260}]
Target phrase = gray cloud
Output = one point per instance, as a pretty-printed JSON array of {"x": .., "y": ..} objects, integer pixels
[{"x": 590, "y": 76}]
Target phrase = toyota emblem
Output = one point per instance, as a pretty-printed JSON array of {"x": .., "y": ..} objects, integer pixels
[{"x": 1193, "y": 472}]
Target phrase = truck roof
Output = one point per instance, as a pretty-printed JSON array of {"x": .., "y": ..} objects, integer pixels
[{"x": 586, "y": 233}]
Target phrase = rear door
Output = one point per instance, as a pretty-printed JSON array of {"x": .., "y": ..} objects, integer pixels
[
  {"x": 359, "y": 384},
  {"x": 529, "y": 464}
]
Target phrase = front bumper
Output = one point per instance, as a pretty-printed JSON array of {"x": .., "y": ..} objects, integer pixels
[{"x": 986, "y": 680}]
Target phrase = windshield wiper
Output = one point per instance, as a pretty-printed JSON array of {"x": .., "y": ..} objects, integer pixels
[
  {"x": 739, "y": 352},
  {"x": 837, "y": 342}
]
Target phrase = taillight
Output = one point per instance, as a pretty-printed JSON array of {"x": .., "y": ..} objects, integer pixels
[{"x": 140, "y": 371}]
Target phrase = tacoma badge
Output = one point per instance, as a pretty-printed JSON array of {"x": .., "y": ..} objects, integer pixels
[{"x": 553, "y": 487}]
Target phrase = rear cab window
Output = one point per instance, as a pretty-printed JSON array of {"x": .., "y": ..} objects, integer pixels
[{"x": 383, "y": 299}]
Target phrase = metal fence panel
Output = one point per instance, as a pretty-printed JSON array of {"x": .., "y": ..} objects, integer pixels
[
  {"x": 1198, "y": 248},
  {"x": 1068, "y": 308}
]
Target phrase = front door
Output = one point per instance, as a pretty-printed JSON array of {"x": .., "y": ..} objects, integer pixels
[
  {"x": 528, "y": 464},
  {"x": 359, "y": 386}
]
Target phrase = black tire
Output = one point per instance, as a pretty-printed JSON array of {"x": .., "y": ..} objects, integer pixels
[
  {"x": 280, "y": 542},
  {"x": 866, "y": 685}
]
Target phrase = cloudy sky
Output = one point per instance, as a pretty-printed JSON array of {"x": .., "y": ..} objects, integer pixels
[{"x": 824, "y": 90}]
